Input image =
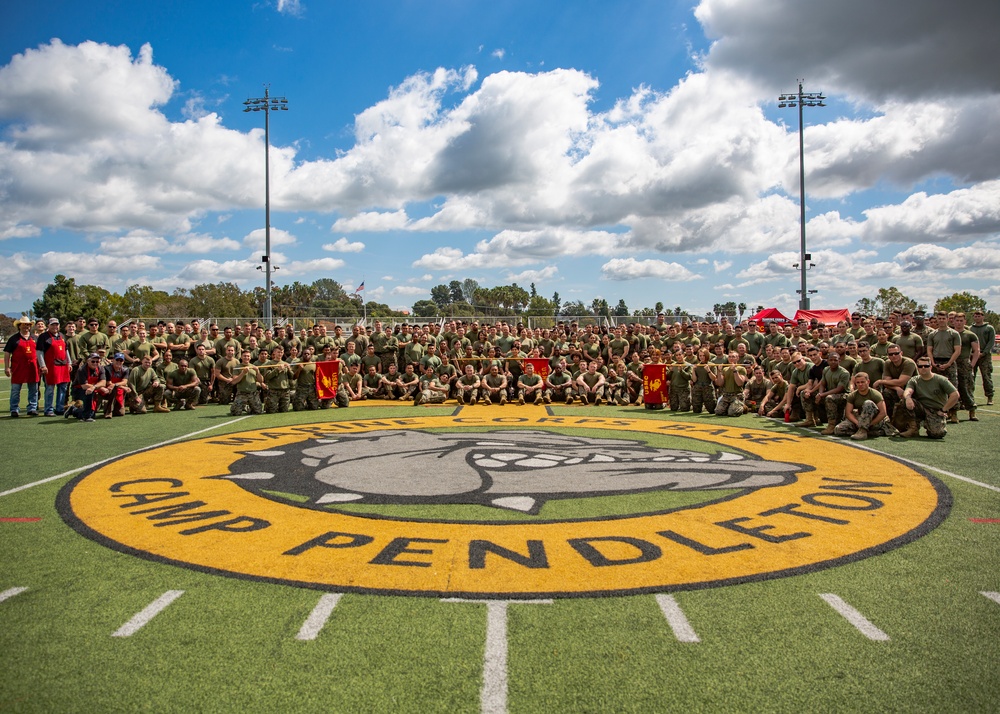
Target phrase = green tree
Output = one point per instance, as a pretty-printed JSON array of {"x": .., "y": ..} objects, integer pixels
[
  {"x": 141, "y": 300},
  {"x": 575, "y": 308},
  {"x": 225, "y": 300},
  {"x": 455, "y": 291},
  {"x": 99, "y": 303},
  {"x": 441, "y": 295},
  {"x": 621, "y": 309},
  {"x": 329, "y": 289},
  {"x": 469, "y": 287},
  {"x": 556, "y": 303},
  {"x": 960, "y": 302},
  {"x": 425, "y": 308},
  {"x": 657, "y": 308},
  {"x": 540, "y": 307},
  {"x": 888, "y": 300},
  {"x": 61, "y": 298}
]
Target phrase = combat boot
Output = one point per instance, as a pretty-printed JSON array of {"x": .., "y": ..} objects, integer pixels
[
  {"x": 809, "y": 421},
  {"x": 953, "y": 416},
  {"x": 912, "y": 429},
  {"x": 161, "y": 408},
  {"x": 972, "y": 415},
  {"x": 830, "y": 428},
  {"x": 860, "y": 435}
]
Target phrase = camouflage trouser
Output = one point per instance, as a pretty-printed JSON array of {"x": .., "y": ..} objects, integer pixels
[
  {"x": 190, "y": 395},
  {"x": 835, "y": 404},
  {"x": 935, "y": 423},
  {"x": 206, "y": 392},
  {"x": 590, "y": 397},
  {"x": 532, "y": 396},
  {"x": 244, "y": 400},
  {"x": 811, "y": 409},
  {"x": 305, "y": 399},
  {"x": 432, "y": 396},
  {"x": 276, "y": 400},
  {"x": 225, "y": 392},
  {"x": 966, "y": 384},
  {"x": 730, "y": 404},
  {"x": 468, "y": 396},
  {"x": 386, "y": 358},
  {"x": 869, "y": 410},
  {"x": 680, "y": 399},
  {"x": 149, "y": 397},
  {"x": 559, "y": 395},
  {"x": 891, "y": 400},
  {"x": 951, "y": 374},
  {"x": 616, "y": 395},
  {"x": 984, "y": 367},
  {"x": 702, "y": 396}
]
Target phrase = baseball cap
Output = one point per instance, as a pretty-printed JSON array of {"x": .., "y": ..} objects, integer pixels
[{"x": 119, "y": 355}]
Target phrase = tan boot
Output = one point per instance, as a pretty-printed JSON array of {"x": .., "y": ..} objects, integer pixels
[
  {"x": 808, "y": 422},
  {"x": 912, "y": 429},
  {"x": 830, "y": 428},
  {"x": 860, "y": 435},
  {"x": 161, "y": 408},
  {"x": 953, "y": 416},
  {"x": 972, "y": 415}
]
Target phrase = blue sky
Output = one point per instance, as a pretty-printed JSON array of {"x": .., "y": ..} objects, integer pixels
[{"x": 624, "y": 150}]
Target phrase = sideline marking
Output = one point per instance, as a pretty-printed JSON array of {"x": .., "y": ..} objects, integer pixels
[
  {"x": 318, "y": 617},
  {"x": 863, "y": 624},
  {"x": 113, "y": 458},
  {"x": 992, "y": 596},
  {"x": 20, "y": 520},
  {"x": 493, "y": 697},
  {"x": 148, "y": 613},
  {"x": 985, "y": 520},
  {"x": 7, "y": 594},
  {"x": 917, "y": 463},
  {"x": 676, "y": 619}
]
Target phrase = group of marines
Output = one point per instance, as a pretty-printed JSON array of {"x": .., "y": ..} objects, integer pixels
[{"x": 863, "y": 377}]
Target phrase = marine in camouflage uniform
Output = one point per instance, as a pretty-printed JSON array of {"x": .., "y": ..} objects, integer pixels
[
  {"x": 681, "y": 375},
  {"x": 703, "y": 384},
  {"x": 559, "y": 385},
  {"x": 987, "y": 335},
  {"x": 927, "y": 399},
  {"x": 731, "y": 379},
  {"x": 970, "y": 351},
  {"x": 305, "y": 383},
  {"x": 247, "y": 382},
  {"x": 867, "y": 407},
  {"x": 467, "y": 387},
  {"x": 276, "y": 374}
]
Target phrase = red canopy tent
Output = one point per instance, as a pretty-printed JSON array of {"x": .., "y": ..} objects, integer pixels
[
  {"x": 824, "y": 317},
  {"x": 768, "y": 315}
]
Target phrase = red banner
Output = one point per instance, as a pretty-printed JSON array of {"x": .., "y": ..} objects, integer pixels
[
  {"x": 541, "y": 366},
  {"x": 327, "y": 379},
  {"x": 655, "y": 386}
]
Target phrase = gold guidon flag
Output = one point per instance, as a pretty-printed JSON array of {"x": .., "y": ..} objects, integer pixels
[{"x": 327, "y": 379}]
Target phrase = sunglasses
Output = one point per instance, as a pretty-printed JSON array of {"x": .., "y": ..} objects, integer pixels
[
  {"x": 893, "y": 354},
  {"x": 923, "y": 366}
]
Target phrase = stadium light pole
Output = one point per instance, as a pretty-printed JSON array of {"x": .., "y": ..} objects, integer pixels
[
  {"x": 267, "y": 104},
  {"x": 802, "y": 99}
]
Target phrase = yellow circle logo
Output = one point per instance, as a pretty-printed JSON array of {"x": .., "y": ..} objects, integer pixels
[{"x": 505, "y": 506}]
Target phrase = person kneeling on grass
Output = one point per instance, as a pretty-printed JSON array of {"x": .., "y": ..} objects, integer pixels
[
  {"x": 927, "y": 399},
  {"x": 864, "y": 412}
]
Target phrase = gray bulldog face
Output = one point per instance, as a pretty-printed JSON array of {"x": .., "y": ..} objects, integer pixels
[{"x": 509, "y": 469}]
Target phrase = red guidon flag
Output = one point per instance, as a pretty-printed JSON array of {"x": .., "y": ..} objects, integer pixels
[
  {"x": 654, "y": 384},
  {"x": 327, "y": 379},
  {"x": 541, "y": 366}
]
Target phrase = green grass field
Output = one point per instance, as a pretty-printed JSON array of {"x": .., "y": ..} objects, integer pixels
[{"x": 230, "y": 644}]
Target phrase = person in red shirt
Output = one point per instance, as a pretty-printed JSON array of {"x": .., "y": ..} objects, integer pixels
[
  {"x": 20, "y": 364},
  {"x": 54, "y": 362}
]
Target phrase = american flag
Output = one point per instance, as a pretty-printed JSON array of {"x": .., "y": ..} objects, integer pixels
[{"x": 360, "y": 287}]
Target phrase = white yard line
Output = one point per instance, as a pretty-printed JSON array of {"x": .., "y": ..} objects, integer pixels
[
  {"x": 148, "y": 613},
  {"x": 493, "y": 696},
  {"x": 676, "y": 619},
  {"x": 64, "y": 474},
  {"x": 317, "y": 618},
  {"x": 7, "y": 594},
  {"x": 863, "y": 625},
  {"x": 995, "y": 597},
  {"x": 923, "y": 466}
]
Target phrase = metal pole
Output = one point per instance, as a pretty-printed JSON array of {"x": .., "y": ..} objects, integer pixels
[
  {"x": 268, "y": 315},
  {"x": 803, "y": 265}
]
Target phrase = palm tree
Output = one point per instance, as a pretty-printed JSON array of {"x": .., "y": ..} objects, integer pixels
[{"x": 742, "y": 307}]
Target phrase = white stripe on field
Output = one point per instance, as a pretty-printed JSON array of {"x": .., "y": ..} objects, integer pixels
[
  {"x": 7, "y": 594},
  {"x": 112, "y": 458},
  {"x": 148, "y": 613},
  {"x": 676, "y": 619},
  {"x": 318, "y": 617},
  {"x": 863, "y": 625},
  {"x": 493, "y": 696},
  {"x": 992, "y": 596},
  {"x": 917, "y": 463}
]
